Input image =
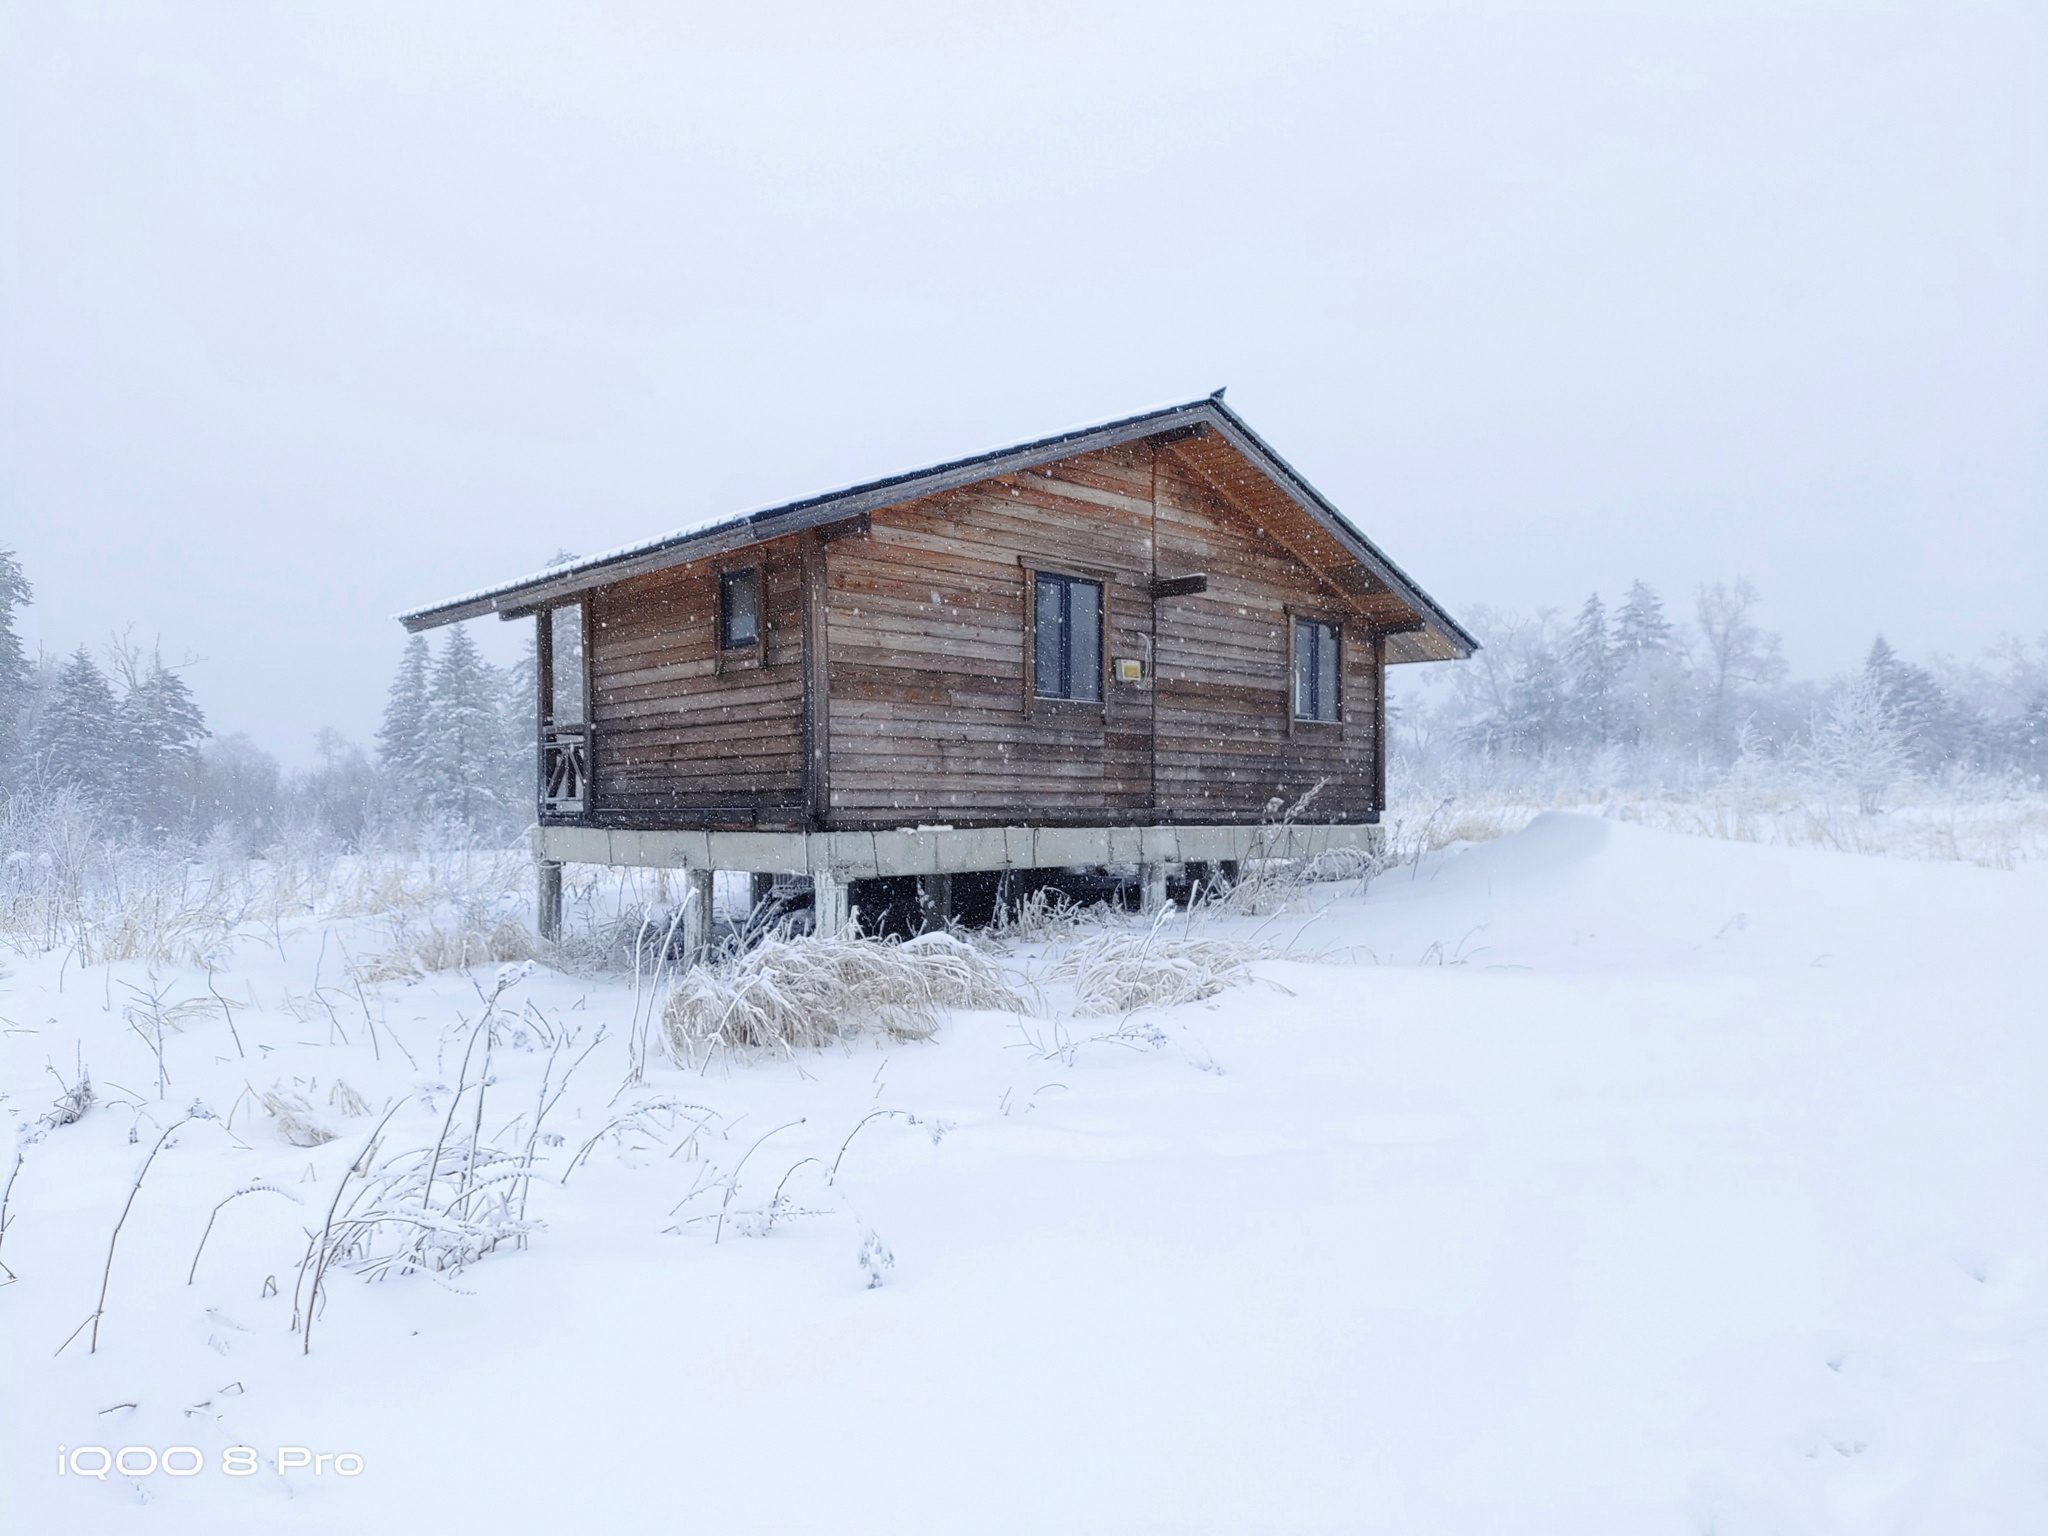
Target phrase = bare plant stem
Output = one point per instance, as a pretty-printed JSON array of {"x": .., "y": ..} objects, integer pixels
[
  {"x": 461, "y": 1087},
  {"x": 732, "y": 1181},
  {"x": 368, "y": 1022},
  {"x": 833, "y": 1176},
  {"x": 326, "y": 1230},
  {"x": 5, "y": 1196},
  {"x": 107, "y": 1272},
  {"x": 228, "y": 1012},
  {"x": 253, "y": 1189}
]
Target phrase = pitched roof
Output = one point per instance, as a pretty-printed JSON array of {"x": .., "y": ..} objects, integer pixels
[{"x": 1440, "y": 637}]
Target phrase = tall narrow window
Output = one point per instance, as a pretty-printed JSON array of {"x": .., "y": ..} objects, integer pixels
[
  {"x": 1066, "y": 620},
  {"x": 1315, "y": 670},
  {"x": 739, "y": 609},
  {"x": 565, "y": 707},
  {"x": 565, "y": 664}
]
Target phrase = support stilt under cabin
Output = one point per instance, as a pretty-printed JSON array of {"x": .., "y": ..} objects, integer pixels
[{"x": 1146, "y": 643}]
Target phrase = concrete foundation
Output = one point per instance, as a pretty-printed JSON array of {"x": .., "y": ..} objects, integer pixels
[
  {"x": 941, "y": 850},
  {"x": 834, "y": 859}
]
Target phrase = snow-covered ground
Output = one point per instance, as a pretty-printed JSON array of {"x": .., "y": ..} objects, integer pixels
[{"x": 1593, "y": 1179}]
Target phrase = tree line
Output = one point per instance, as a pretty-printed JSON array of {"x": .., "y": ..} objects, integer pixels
[
  {"x": 1631, "y": 698},
  {"x": 1635, "y": 698},
  {"x": 122, "y": 739}
]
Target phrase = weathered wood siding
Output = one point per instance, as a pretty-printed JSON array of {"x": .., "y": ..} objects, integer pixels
[
  {"x": 927, "y": 713},
  {"x": 1227, "y": 742},
  {"x": 687, "y": 735},
  {"x": 930, "y": 718}
]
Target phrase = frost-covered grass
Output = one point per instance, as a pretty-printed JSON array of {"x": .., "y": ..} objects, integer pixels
[
  {"x": 1558, "y": 1176},
  {"x": 1991, "y": 826},
  {"x": 796, "y": 992}
]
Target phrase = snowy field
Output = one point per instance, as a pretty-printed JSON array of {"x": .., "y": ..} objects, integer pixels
[{"x": 1590, "y": 1179}]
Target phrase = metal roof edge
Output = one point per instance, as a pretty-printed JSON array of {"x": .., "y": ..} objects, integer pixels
[
  {"x": 793, "y": 517},
  {"x": 1313, "y": 502}
]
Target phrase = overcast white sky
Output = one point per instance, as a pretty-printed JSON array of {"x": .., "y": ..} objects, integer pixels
[{"x": 307, "y": 316}]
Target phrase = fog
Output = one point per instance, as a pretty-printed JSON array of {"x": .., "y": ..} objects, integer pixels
[{"x": 313, "y": 316}]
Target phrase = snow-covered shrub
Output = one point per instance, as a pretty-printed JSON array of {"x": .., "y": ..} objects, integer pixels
[
  {"x": 297, "y": 1121},
  {"x": 1861, "y": 741},
  {"x": 478, "y": 936},
  {"x": 1115, "y": 972},
  {"x": 800, "y": 991}
]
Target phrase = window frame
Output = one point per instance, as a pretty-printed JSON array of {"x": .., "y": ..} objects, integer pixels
[
  {"x": 1052, "y": 705},
  {"x": 1298, "y": 723},
  {"x": 745, "y": 652}
]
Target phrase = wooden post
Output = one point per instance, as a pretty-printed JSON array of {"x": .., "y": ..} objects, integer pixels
[
  {"x": 761, "y": 891},
  {"x": 831, "y": 912},
  {"x": 698, "y": 885},
  {"x": 548, "y": 876},
  {"x": 1152, "y": 887},
  {"x": 935, "y": 896}
]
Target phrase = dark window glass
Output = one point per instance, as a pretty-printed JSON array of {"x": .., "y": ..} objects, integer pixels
[
  {"x": 1315, "y": 670},
  {"x": 1067, "y": 625},
  {"x": 565, "y": 664},
  {"x": 739, "y": 609}
]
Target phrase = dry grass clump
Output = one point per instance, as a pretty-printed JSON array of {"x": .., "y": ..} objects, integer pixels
[
  {"x": 479, "y": 939},
  {"x": 801, "y": 991},
  {"x": 1117, "y": 972},
  {"x": 297, "y": 1121}
]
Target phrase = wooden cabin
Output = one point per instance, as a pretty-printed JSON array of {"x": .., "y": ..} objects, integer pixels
[{"x": 1120, "y": 645}]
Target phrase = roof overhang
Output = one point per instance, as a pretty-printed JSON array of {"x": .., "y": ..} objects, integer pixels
[{"x": 1435, "y": 636}]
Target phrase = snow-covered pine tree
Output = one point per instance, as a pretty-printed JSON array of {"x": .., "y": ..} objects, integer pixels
[
  {"x": 1646, "y": 669},
  {"x": 159, "y": 727},
  {"x": 518, "y": 728},
  {"x": 79, "y": 745},
  {"x": 1538, "y": 722},
  {"x": 402, "y": 738},
  {"x": 1589, "y": 661},
  {"x": 1639, "y": 624},
  {"x": 16, "y": 677},
  {"x": 1929, "y": 717},
  {"x": 464, "y": 739}
]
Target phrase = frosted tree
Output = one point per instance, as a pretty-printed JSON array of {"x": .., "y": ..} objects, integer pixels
[
  {"x": 1639, "y": 624},
  {"x": 1739, "y": 654},
  {"x": 1928, "y": 715},
  {"x": 1860, "y": 742},
  {"x": 1589, "y": 660},
  {"x": 1537, "y": 719},
  {"x": 158, "y": 728},
  {"x": 16, "y": 677},
  {"x": 402, "y": 738},
  {"x": 520, "y": 725},
  {"x": 1647, "y": 669},
  {"x": 464, "y": 745},
  {"x": 2030, "y": 737},
  {"x": 79, "y": 745}
]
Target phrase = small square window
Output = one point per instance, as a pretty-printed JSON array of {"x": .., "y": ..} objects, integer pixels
[
  {"x": 1066, "y": 623},
  {"x": 739, "y": 609},
  {"x": 1315, "y": 670}
]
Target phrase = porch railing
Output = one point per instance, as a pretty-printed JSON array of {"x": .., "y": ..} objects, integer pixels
[{"x": 564, "y": 769}]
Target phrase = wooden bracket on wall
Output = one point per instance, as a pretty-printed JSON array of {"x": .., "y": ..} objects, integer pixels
[{"x": 852, "y": 528}]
